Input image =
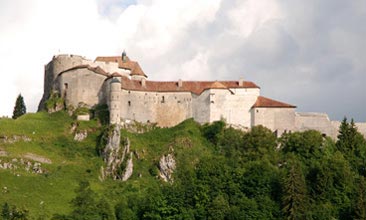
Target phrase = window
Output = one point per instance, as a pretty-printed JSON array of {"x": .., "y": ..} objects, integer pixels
[
  {"x": 212, "y": 98},
  {"x": 163, "y": 99},
  {"x": 129, "y": 103}
]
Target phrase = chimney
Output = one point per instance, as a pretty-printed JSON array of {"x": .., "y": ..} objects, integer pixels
[
  {"x": 241, "y": 82},
  {"x": 143, "y": 82},
  {"x": 180, "y": 83}
]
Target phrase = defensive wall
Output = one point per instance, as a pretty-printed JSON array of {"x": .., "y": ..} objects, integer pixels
[{"x": 121, "y": 84}]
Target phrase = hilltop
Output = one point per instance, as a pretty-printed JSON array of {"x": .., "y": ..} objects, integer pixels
[{"x": 51, "y": 163}]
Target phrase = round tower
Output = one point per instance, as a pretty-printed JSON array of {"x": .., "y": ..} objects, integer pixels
[{"x": 114, "y": 102}]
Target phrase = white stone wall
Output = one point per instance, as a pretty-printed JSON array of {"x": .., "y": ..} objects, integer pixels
[
  {"x": 109, "y": 67},
  {"x": 361, "y": 127},
  {"x": 232, "y": 105},
  {"x": 201, "y": 107},
  {"x": 166, "y": 109},
  {"x": 83, "y": 85},
  {"x": 316, "y": 121},
  {"x": 276, "y": 119}
]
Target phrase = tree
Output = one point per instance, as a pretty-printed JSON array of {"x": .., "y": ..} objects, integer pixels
[
  {"x": 19, "y": 108},
  {"x": 307, "y": 145},
  {"x": 361, "y": 200},
  {"x": 5, "y": 213},
  {"x": 84, "y": 204},
  {"x": 258, "y": 143},
  {"x": 212, "y": 131},
  {"x": 353, "y": 145},
  {"x": 294, "y": 192},
  {"x": 13, "y": 213}
]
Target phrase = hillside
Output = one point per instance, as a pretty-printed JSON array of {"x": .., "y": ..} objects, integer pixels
[
  {"x": 221, "y": 173},
  {"x": 47, "y": 139}
]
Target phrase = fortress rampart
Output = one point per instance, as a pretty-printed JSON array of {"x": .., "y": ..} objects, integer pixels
[{"x": 121, "y": 84}]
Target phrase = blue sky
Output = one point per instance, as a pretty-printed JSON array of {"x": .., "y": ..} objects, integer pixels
[{"x": 307, "y": 53}]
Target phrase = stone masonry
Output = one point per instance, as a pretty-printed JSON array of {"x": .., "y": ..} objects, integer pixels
[{"x": 122, "y": 84}]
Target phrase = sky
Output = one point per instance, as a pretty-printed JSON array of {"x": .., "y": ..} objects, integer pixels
[{"x": 311, "y": 54}]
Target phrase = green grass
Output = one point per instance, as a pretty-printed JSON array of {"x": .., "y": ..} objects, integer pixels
[{"x": 75, "y": 161}]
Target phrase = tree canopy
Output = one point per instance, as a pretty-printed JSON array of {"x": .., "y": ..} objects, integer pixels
[{"x": 19, "y": 108}]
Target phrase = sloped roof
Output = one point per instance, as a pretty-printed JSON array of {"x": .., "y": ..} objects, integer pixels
[
  {"x": 128, "y": 64},
  {"x": 263, "y": 102},
  {"x": 218, "y": 85},
  {"x": 196, "y": 87}
]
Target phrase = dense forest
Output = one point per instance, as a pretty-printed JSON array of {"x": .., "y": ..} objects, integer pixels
[{"x": 238, "y": 175}]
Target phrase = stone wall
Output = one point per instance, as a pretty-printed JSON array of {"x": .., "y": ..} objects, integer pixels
[
  {"x": 277, "y": 119},
  {"x": 233, "y": 105},
  {"x": 52, "y": 69},
  {"x": 201, "y": 107},
  {"x": 166, "y": 109},
  {"x": 81, "y": 85},
  {"x": 110, "y": 67},
  {"x": 316, "y": 121},
  {"x": 170, "y": 108},
  {"x": 361, "y": 127}
]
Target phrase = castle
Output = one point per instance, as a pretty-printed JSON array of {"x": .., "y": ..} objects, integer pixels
[{"x": 121, "y": 83}]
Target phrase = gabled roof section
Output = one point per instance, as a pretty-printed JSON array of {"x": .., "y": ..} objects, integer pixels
[
  {"x": 127, "y": 64},
  {"x": 263, "y": 102},
  {"x": 217, "y": 85},
  {"x": 196, "y": 87}
]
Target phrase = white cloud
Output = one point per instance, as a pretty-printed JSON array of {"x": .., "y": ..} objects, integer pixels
[
  {"x": 248, "y": 16},
  {"x": 283, "y": 45}
]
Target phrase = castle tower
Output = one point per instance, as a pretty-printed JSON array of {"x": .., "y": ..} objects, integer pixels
[
  {"x": 124, "y": 56},
  {"x": 114, "y": 102}
]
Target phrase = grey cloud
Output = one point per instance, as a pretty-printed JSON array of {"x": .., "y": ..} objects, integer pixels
[{"x": 312, "y": 58}]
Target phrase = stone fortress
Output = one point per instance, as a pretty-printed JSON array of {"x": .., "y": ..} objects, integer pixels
[{"x": 121, "y": 83}]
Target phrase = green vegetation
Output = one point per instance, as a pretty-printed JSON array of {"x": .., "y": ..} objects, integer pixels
[
  {"x": 222, "y": 173},
  {"x": 54, "y": 102},
  {"x": 19, "y": 108}
]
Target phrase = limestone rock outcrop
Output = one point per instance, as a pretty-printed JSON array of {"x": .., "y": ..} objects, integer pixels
[
  {"x": 118, "y": 160},
  {"x": 80, "y": 135},
  {"x": 167, "y": 165},
  {"x": 129, "y": 169}
]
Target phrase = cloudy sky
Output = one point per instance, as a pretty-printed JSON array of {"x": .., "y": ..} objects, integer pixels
[{"x": 311, "y": 54}]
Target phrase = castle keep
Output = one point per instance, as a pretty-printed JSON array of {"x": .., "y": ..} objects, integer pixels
[{"x": 121, "y": 83}]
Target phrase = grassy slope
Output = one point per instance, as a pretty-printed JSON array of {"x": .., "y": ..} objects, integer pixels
[{"x": 73, "y": 161}]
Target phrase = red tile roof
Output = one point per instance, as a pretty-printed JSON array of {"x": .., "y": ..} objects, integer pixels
[
  {"x": 128, "y": 64},
  {"x": 263, "y": 102},
  {"x": 196, "y": 87}
]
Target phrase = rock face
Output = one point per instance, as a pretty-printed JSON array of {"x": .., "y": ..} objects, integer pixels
[
  {"x": 80, "y": 135},
  {"x": 129, "y": 169},
  {"x": 114, "y": 157},
  {"x": 57, "y": 107},
  {"x": 167, "y": 166},
  {"x": 22, "y": 164},
  {"x": 13, "y": 139}
]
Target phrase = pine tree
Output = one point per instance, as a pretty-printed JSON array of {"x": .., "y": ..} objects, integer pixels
[
  {"x": 19, "y": 108},
  {"x": 294, "y": 193},
  {"x": 361, "y": 200}
]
